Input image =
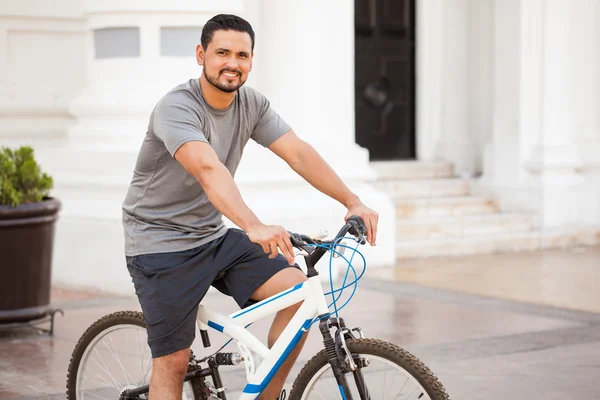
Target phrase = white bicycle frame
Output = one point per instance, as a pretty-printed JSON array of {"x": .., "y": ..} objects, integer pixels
[{"x": 233, "y": 325}]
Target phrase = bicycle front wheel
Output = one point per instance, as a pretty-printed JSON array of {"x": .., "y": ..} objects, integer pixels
[
  {"x": 113, "y": 355},
  {"x": 392, "y": 373}
]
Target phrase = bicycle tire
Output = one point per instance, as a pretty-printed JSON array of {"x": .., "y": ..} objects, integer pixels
[
  {"x": 198, "y": 385},
  {"x": 381, "y": 349}
]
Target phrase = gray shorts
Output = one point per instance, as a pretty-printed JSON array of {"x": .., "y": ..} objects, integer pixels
[{"x": 170, "y": 286}]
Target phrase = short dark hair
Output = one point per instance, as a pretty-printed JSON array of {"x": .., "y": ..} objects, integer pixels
[{"x": 225, "y": 22}]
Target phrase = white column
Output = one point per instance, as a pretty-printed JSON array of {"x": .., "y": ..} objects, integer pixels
[
  {"x": 454, "y": 144},
  {"x": 585, "y": 91},
  {"x": 555, "y": 155},
  {"x": 304, "y": 59},
  {"x": 480, "y": 52},
  {"x": 585, "y": 100},
  {"x": 429, "y": 49},
  {"x": 310, "y": 67},
  {"x": 554, "y": 161},
  {"x": 517, "y": 107},
  {"x": 515, "y": 55},
  {"x": 313, "y": 90},
  {"x": 535, "y": 160}
]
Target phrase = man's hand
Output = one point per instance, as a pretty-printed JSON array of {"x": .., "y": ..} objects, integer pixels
[
  {"x": 271, "y": 237},
  {"x": 369, "y": 217}
]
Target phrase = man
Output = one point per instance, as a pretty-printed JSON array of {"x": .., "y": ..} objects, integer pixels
[{"x": 176, "y": 243}]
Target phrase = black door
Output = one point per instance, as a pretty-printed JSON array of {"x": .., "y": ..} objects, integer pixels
[{"x": 385, "y": 77}]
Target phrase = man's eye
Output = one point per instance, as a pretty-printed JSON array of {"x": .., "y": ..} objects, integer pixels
[{"x": 221, "y": 53}]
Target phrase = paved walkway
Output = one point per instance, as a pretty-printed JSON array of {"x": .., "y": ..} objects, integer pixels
[{"x": 495, "y": 327}]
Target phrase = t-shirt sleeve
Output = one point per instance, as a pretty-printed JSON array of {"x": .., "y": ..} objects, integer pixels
[
  {"x": 270, "y": 126},
  {"x": 175, "y": 123}
]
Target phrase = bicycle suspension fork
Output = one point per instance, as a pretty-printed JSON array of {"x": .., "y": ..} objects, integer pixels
[{"x": 337, "y": 362}]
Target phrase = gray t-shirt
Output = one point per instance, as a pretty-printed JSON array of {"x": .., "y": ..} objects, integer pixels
[{"x": 166, "y": 208}]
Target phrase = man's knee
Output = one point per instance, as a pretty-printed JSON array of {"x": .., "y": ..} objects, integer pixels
[
  {"x": 283, "y": 280},
  {"x": 174, "y": 364}
]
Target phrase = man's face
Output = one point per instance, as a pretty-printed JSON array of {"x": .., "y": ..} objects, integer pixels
[{"x": 227, "y": 60}]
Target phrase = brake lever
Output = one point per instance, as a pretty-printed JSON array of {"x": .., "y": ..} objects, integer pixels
[{"x": 357, "y": 229}]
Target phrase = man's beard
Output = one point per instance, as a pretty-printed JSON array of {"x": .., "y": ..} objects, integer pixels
[{"x": 227, "y": 88}]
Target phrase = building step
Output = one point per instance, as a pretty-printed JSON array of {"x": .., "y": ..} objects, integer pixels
[
  {"x": 445, "y": 207},
  {"x": 426, "y": 188},
  {"x": 411, "y": 170},
  {"x": 461, "y": 226},
  {"x": 497, "y": 243}
]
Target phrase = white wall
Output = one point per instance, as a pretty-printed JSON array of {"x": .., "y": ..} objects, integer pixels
[{"x": 42, "y": 59}]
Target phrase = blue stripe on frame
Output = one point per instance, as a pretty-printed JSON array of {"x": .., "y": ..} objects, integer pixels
[
  {"x": 342, "y": 392},
  {"x": 298, "y": 286},
  {"x": 257, "y": 389},
  {"x": 216, "y": 326}
]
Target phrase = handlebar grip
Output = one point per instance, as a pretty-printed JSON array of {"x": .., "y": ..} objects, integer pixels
[
  {"x": 295, "y": 239},
  {"x": 357, "y": 227},
  {"x": 299, "y": 240}
]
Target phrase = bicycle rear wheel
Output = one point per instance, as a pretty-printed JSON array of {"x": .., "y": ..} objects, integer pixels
[
  {"x": 392, "y": 373},
  {"x": 113, "y": 355}
]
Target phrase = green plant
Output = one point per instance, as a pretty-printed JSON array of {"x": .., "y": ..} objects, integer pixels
[{"x": 21, "y": 180}]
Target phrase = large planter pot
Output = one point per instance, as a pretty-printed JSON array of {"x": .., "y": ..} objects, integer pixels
[{"x": 26, "y": 242}]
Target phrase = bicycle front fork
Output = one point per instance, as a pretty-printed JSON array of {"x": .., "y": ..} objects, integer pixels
[{"x": 340, "y": 358}]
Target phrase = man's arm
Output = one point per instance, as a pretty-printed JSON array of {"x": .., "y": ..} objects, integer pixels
[
  {"x": 200, "y": 160},
  {"x": 305, "y": 160}
]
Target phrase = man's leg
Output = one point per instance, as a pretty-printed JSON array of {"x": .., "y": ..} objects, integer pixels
[
  {"x": 281, "y": 281},
  {"x": 167, "y": 375},
  {"x": 169, "y": 287}
]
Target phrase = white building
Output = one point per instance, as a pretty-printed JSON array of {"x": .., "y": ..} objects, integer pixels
[{"x": 497, "y": 102}]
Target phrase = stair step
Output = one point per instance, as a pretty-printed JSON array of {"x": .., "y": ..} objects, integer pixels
[
  {"x": 499, "y": 243},
  {"x": 460, "y": 226},
  {"x": 411, "y": 170},
  {"x": 445, "y": 206},
  {"x": 427, "y": 188}
]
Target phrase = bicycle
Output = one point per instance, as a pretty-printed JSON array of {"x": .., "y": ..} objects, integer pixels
[{"x": 348, "y": 357}]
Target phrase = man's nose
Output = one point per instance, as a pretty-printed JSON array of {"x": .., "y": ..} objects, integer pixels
[{"x": 232, "y": 63}]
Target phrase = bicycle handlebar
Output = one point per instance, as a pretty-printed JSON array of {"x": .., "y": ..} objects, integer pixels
[{"x": 354, "y": 225}]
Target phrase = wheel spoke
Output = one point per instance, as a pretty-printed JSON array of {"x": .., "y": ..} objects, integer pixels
[
  {"x": 411, "y": 393},
  {"x": 384, "y": 380},
  {"x": 319, "y": 394},
  {"x": 95, "y": 395},
  {"x": 147, "y": 371},
  {"x": 105, "y": 383},
  {"x": 143, "y": 353},
  {"x": 106, "y": 371},
  {"x": 402, "y": 387},
  {"x": 118, "y": 359}
]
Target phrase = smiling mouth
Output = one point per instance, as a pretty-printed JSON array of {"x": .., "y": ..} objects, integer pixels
[{"x": 230, "y": 75}]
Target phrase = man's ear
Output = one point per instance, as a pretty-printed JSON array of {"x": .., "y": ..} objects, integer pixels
[{"x": 200, "y": 55}]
